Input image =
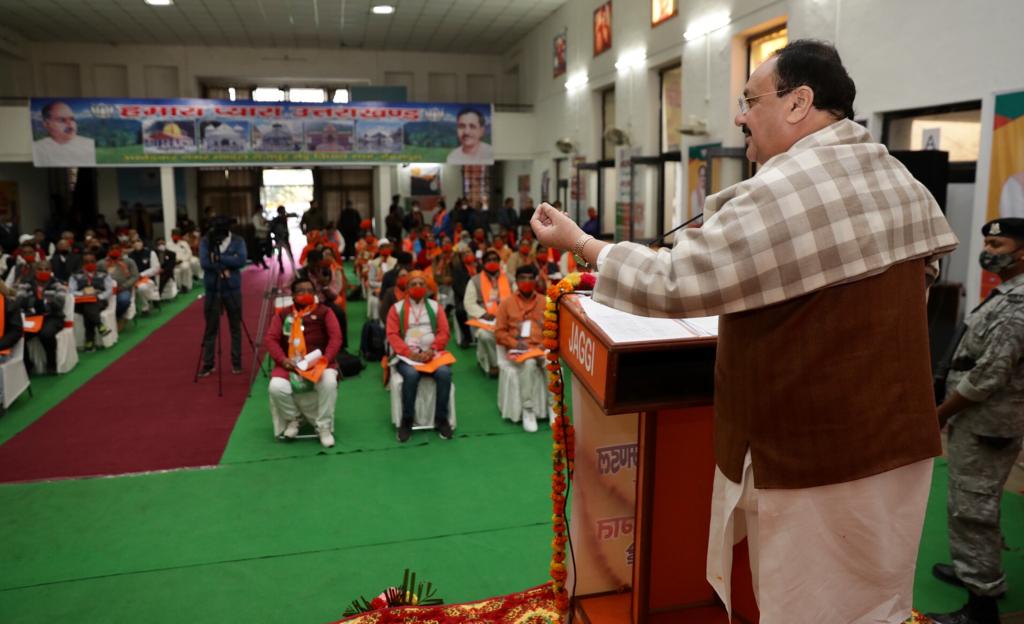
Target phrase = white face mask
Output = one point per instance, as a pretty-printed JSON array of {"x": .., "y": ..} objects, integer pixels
[{"x": 161, "y": 247}]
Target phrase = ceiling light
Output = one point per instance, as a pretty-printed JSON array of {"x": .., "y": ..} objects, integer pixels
[
  {"x": 576, "y": 81},
  {"x": 707, "y": 25},
  {"x": 383, "y": 9},
  {"x": 159, "y": 2}
]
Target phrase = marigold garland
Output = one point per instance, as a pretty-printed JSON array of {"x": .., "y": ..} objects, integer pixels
[{"x": 563, "y": 452}]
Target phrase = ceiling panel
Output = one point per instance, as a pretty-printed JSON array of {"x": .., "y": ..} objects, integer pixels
[{"x": 460, "y": 25}]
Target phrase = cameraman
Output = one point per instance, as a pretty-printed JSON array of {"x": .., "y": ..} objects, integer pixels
[{"x": 222, "y": 255}]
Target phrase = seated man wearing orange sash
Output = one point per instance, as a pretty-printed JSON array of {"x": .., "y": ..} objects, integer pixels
[
  {"x": 484, "y": 293},
  {"x": 304, "y": 383},
  {"x": 519, "y": 328},
  {"x": 417, "y": 330}
]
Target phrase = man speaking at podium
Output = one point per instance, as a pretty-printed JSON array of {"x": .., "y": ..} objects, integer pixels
[{"x": 825, "y": 421}]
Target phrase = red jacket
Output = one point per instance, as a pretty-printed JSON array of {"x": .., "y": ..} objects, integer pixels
[{"x": 321, "y": 330}]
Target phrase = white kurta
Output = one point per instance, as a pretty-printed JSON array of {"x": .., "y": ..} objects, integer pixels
[
  {"x": 836, "y": 553},
  {"x": 78, "y": 152}
]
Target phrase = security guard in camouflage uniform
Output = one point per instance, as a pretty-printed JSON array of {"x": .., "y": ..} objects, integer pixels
[{"x": 984, "y": 406}]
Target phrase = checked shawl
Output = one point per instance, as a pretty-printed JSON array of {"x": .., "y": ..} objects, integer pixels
[{"x": 834, "y": 208}]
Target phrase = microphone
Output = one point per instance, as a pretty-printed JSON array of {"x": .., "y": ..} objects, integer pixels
[{"x": 672, "y": 231}]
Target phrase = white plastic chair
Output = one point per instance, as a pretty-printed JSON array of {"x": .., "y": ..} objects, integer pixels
[
  {"x": 13, "y": 375},
  {"x": 510, "y": 402},
  {"x": 426, "y": 394},
  {"x": 67, "y": 354},
  {"x": 170, "y": 290}
]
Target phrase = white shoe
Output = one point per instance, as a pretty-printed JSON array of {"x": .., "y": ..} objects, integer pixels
[
  {"x": 529, "y": 421},
  {"x": 326, "y": 439},
  {"x": 291, "y": 430}
]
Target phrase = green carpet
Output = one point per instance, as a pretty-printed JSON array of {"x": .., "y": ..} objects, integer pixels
[
  {"x": 291, "y": 533},
  {"x": 49, "y": 390}
]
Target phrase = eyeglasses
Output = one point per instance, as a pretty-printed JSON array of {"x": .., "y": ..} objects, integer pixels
[{"x": 744, "y": 102}]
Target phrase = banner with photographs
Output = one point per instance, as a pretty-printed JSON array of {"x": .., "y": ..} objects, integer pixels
[
  {"x": 78, "y": 132},
  {"x": 1005, "y": 196}
]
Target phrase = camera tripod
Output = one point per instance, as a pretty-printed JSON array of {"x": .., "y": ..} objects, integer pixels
[{"x": 268, "y": 307}]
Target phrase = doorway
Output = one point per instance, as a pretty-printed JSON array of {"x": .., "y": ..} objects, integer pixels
[{"x": 293, "y": 189}]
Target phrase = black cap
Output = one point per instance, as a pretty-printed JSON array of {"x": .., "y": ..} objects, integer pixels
[{"x": 1012, "y": 227}]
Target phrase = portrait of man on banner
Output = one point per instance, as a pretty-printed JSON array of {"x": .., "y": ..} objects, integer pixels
[
  {"x": 602, "y": 28},
  {"x": 559, "y": 54},
  {"x": 472, "y": 128},
  {"x": 61, "y": 145},
  {"x": 663, "y": 10}
]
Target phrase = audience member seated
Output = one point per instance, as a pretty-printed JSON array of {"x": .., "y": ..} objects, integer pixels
[
  {"x": 10, "y": 330},
  {"x": 504, "y": 251},
  {"x": 404, "y": 261},
  {"x": 148, "y": 264},
  {"x": 479, "y": 243},
  {"x": 484, "y": 293},
  {"x": 328, "y": 286},
  {"x": 462, "y": 271},
  {"x": 44, "y": 296},
  {"x": 523, "y": 256},
  {"x": 168, "y": 262},
  {"x": 394, "y": 294},
  {"x": 519, "y": 329},
  {"x": 44, "y": 248},
  {"x": 550, "y": 271},
  {"x": 303, "y": 385},
  {"x": 441, "y": 272},
  {"x": 417, "y": 331},
  {"x": 375, "y": 271},
  {"x": 187, "y": 267},
  {"x": 93, "y": 288},
  {"x": 24, "y": 264},
  {"x": 65, "y": 261},
  {"x": 125, "y": 274}
]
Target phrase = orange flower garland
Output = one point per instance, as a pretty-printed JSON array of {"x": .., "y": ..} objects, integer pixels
[{"x": 563, "y": 448}]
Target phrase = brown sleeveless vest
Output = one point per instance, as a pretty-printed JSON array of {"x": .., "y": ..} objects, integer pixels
[{"x": 829, "y": 387}]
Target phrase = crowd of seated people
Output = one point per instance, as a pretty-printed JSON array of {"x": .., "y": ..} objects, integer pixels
[
  {"x": 46, "y": 283},
  {"x": 480, "y": 276}
]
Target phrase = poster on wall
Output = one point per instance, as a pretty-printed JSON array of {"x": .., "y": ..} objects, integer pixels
[
  {"x": 663, "y": 10},
  {"x": 476, "y": 184},
  {"x": 545, "y": 180},
  {"x": 1006, "y": 168},
  {"x": 577, "y": 187},
  {"x": 603, "y": 28},
  {"x": 698, "y": 167},
  {"x": 560, "y": 54},
  {"x": 425, "y": 185},
  {"x": 8, "y": 202},
  {"x": 90, "y": 132}
]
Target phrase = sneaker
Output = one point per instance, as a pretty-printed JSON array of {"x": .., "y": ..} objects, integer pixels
[
  {"x": 291, "y": 430},
  {"x": 90, "y": 346},
  {"x": 236, "y": 369},
  {"x": 444, "y": 430},
  {"x": 404, "y": 433},
  {"x": 206, "y": 372},
  {"x": 529, "y": 421},
  {"x": 103, "y": 330},
  {"x": 326, "y": 439}
]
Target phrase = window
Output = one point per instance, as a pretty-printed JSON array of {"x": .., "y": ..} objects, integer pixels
[
  {"x": 760, "y": 47},
  {"x": 607, "y": 122},
  {"x": 671, "y": 107},
  {"x": 955, "y": 131},
  {"x": 341, "y": 96},
  {"x": 311, "y": 95}
]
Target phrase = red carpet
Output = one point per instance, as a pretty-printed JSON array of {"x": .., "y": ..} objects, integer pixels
[{"x": 143, "y": 412}]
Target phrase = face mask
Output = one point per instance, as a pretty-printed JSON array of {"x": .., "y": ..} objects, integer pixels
[
  {"x": 402, "y": 283},
  {"x": 115, "y": 253},
  {"x": 447, "y": 248},
  {"x": 89, "y": 267},
  {"x": 996, "y": 263},
  {"x": 527, "y": 288},
  {"x": 385, "y": 252},
  {"x": 492, "y": 267},
  {"x": 418, "y": 292},
  {"x": 29, "y": 258},
  {"x": 43, "y": 276},
  {"x": 304, "y": 300},
  {"x": 479, "y": 237},
  {"x": 525, "y": 250},
  {"x": 175, "y": 238},
  {"x": 469, "y": 259},
  {"x": 431, "y": 245},
  {"x": 161, "y": 247}
]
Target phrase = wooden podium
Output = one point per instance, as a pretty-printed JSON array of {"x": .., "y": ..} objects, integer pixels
[{"x": 665, "y": 385}]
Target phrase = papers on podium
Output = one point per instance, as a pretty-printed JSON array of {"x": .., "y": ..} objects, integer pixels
[{"x": 622, "y": 327}]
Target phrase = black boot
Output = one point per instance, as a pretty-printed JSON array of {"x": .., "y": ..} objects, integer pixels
[{"x": 978, "y": 610}]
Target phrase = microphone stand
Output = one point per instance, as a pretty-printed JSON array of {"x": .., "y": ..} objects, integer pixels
[{"x": 672, "y": 231}]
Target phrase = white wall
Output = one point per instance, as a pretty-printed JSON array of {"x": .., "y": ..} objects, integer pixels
[{"x": 906, "y": 54}]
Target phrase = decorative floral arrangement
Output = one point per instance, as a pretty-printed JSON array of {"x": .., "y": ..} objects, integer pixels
[
  {"x": 563, "y": 455},
  {"x": 916, "y": 617},
  {"x": 407, "y": 594}
]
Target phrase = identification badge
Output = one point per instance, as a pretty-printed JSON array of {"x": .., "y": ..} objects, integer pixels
[{"x": 524, "y": 329}]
